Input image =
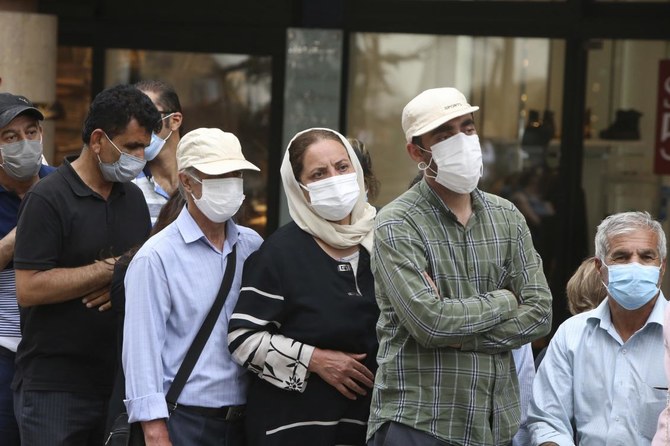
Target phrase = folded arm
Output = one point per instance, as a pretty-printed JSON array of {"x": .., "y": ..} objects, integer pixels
[
  {"x": 38, "y": 260},
  {"x": 532, "y": 318},
  {"x": 36, "y": 287},
  {"x": 7, "y": 248},
  {"x": 399, "y": 265}
]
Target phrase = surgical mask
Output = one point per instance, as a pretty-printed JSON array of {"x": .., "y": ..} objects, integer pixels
[
  {"x": 459, "y": 163},
  {"x": 156, "y": 145},
  {"x": 21, "y": 160},
  {"x": 221, "y": 198},
  {"x": 334, "y": 198},
  {"x": 632, "y": 285},
  {"x": 126, "y": 168}
]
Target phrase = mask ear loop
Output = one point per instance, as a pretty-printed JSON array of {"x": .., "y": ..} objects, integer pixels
[{"x": 425, "y": 168}]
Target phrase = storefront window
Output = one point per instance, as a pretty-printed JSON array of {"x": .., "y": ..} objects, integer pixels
[
  {"x": 620, "y": 134},
  {"x": 227, "y": 91}
]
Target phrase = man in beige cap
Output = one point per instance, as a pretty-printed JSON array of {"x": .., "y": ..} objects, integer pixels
[
  {"x": 171, "y": 284},
  {"x": 459, "y": 286}
]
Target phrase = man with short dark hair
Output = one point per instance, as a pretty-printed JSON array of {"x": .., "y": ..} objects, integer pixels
[
  {"x": 459, "y": 285},
  {"x": 20, "y": 168},
  {"x": 72, "y": 227}
]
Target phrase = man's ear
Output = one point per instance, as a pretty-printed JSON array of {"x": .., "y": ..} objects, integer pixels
[
  {"x": 95, "y": 140},
  {"x": 598, "y": 263},
  {"x": 186, "y": 182},
  {"x": 599, "y": 267},
  {"x": 175, "y": 121},
  {"x": 663, "y": 264},
  {"x": 415, "y": 152}
]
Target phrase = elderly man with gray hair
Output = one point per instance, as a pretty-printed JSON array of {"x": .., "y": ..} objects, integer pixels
[{"x": 602, "y": 381}]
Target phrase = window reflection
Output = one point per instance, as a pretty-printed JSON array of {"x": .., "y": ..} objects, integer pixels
[
  {"x": 619, "y": 145},
  {"x": 227, "y": 91}
]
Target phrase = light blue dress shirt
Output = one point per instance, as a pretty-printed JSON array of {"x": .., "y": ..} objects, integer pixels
[
  {"x": 595, "y": 388},
  {"x": 525, "y": 370},
  {"x": 171, "y": 285}
]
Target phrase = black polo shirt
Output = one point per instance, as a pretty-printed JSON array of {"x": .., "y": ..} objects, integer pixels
[{"x": 65, "y": 224}]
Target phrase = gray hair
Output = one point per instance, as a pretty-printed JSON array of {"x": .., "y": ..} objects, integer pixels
[
  {"x": 625, "y": 223},
  {"x": 190, "y": 171}
]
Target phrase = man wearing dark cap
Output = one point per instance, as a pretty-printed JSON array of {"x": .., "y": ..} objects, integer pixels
[
  {"x": 20, "y": 168},
  {"x": 171, "y": 284},
  {"x": 459, "y": 285},
  {"x": 72, "y": 227}
]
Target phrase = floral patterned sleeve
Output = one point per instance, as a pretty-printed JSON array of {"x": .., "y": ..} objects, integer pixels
[{"x": 254, "y": 328}]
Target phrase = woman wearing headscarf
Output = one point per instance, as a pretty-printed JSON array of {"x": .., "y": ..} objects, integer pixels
[{"x": 305, "y": 319}]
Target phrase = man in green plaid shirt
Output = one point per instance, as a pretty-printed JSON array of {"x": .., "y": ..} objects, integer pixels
[{"x": 459, "y": 285}]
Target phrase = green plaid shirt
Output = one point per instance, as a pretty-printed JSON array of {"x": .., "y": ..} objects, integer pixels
[{"x": 445, "y": 365}]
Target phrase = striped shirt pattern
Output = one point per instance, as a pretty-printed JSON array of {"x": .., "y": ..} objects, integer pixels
[
  {"x": 154, "y": 195},
  {"x": 10, "y": 334},
  {"x": 445, "y": 365}
]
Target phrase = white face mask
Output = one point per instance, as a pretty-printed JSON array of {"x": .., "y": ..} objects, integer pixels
[
  {"x": 221, "y": 198},
  {"x": 334, "y": 198},
  {"x": 459, "y": 163}
]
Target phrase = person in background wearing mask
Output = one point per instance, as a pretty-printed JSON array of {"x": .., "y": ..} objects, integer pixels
[
  {"x": 459, "y": 285},
  {"x": 159, "y": 177},
  {"x": 20, "y": 169},
  {"x": 305, "y": 320},
  {"x": 72, "y": 226},
  {"x": 601, "y": 380},
  {"x": 171, "y": 285}
]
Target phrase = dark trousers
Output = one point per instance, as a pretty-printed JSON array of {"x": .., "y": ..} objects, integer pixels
[
  {"x": 396, "y": 434},
  {"x": 60, "y": 418},
  {"x": 9, "y": 431},
  {"x": 188, "y": 429}
]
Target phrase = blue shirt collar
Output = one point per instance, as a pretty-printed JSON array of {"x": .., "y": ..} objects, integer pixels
[
  {"x": 603, "y": 315},
  {"x": 191, "y": 232}
]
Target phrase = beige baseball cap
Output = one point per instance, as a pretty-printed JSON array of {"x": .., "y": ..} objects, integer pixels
[
  {"x": 211, "y": 151},
  {"x": 432, "y": 108}
]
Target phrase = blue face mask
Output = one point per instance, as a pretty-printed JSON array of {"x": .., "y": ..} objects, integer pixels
[
  {"x": 155, "y": 146},
  {"x": 632, "y": 285}
]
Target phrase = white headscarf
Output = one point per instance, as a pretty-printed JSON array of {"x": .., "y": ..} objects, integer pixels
[{"x": 359, "y": 232}]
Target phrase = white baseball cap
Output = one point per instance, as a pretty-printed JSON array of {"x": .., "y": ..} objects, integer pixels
[
  {"x": 432, "y": 108},
  {"x": 211, "y": 151}
]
